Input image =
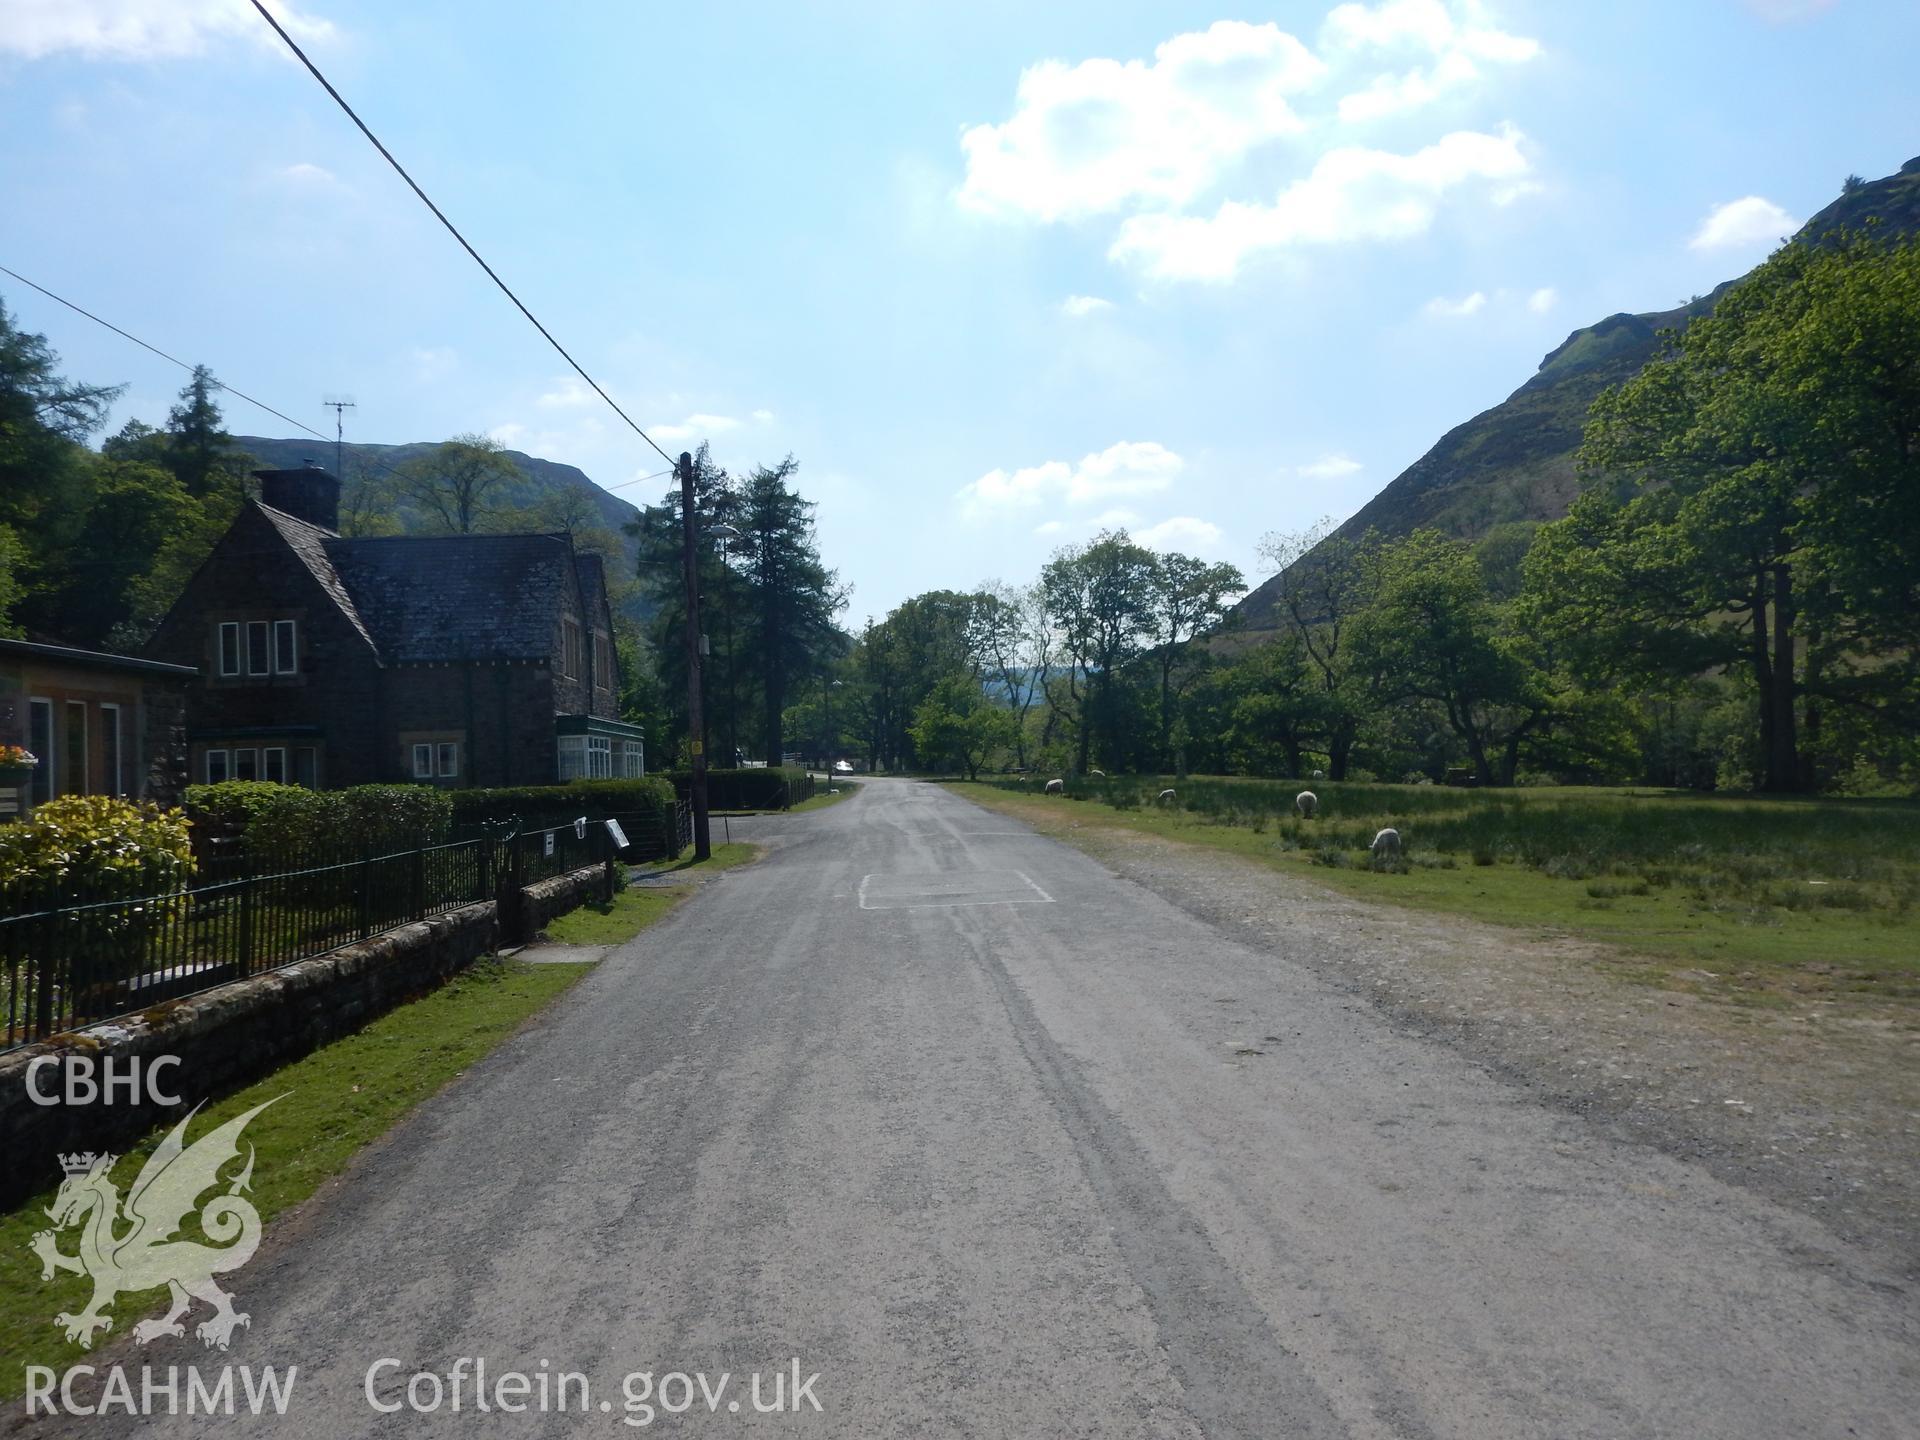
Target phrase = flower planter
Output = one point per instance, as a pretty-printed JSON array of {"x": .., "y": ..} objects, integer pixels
[{"x": 15, "y": 777}]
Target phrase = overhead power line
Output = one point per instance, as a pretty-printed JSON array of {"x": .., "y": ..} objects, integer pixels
[
  {"x": 174, "y": 359},
  {"x": 452, "y": 230}
]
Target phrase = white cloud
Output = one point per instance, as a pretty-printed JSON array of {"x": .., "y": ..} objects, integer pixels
[
  {"x": 145, "y": 29},
  {"x": 1744, "y": 224},
  {"x": 569, "y": 392},
  {"x": 1543, "y": 300},
  {"x": 1128, "y": 468},
  {"x": 701, "y": 426},
  {"x": 306, "y": 173},
  {"x": 763, "y": 417},
  {"x": 1078, "y": 307},
  {"x": 1352, "y": 194},
  {"x": 1336, "y": 466},
  {"x": 1441, "y": 308},
  {"x": 1455, "y": 39},
  {"x": 1186, "y": 533},
  {"x": 1094, "y": 137}
]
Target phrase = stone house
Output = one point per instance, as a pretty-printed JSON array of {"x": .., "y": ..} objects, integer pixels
[
  {"x": 99, "y": 724},
  {"x": 447, "y": 659}
]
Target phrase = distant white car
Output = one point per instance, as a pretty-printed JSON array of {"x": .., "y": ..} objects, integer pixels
[{"x": 841, "y": 767}]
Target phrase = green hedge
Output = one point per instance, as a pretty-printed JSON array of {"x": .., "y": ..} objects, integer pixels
[
  {"x": 577, "y": 797},
  {"x": 284, "y": 822},
  {"x": 756, "y": 788}
]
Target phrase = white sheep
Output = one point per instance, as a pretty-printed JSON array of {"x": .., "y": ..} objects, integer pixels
[
  {"x": 1166, "y": 797},
  {"x": 1096, "y": 774},
  {"x": 1318, "y": 775},
  {"x": 1306, "y": 802},
  {"x": 1386, "y": 845},
  {"x": 1056, "y": 787}
]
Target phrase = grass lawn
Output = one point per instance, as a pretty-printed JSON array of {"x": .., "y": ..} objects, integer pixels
[
  {"x": 821, "y": 799},
  {"x": 637, "y": 906},
  {"x": 336, "y": 1100},
  {"x": 1758, "y": 901}
]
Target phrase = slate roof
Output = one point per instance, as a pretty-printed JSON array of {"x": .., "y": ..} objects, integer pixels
[
  {"x": 309, "y": 544},
  {"x": 455, "y": 597}
]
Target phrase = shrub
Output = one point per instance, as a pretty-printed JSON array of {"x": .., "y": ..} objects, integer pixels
[
  {"x": 534, "y": 803},
  {"x": 282, "y": 824},
  {"x": 758, "y": 787},
  {"x": 83, "y": 846}
]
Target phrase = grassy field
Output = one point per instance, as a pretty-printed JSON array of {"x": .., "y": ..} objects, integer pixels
[
  {"x": 336, "y": 1100},
  {"x": 1759, "y": 899}
]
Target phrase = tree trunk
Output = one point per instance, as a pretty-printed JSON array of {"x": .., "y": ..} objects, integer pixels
[
  {"x": 1762, "y": 677},
  {"x": 1783, "y": 753}
]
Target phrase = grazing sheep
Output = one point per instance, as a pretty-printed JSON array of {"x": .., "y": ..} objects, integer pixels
[
  {"x": 1319, "y": 775},
  {"x": 1056, "y": 787},
  {"x": 1096, "y": 774},
  {"x": 1306, "y": 802},
  {"x": 1386, "y": 845},
  {"x": 1166, "y": 797}
]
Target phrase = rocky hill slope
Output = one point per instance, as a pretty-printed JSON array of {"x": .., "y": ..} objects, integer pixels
[{"x": 1516, "y": 461}]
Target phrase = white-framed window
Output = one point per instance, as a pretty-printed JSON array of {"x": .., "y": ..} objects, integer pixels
[
  {"x": 631, "y": 759},
  {"x": 41, "y": 742},
  {"x": 112, "y": 751},
  {"x": 423, "y": 761},
  {"x": 569, "y": 649},
  {"x": 602, "y": 662},
  {"x": 219, "y": 766},
  {"x": 273, "y": 764},
  {"x": 246, "y": 764},
  {"x": 259, "y": 661},
  {"x": 74, "y": 779},
  {"x": 286, "y": 648},
  {"x": 306, "y": 766},
  {"x": 573, "y": 756},
  {"x": 599, "y": 758},
  {"x": 447, "y": 759},
  {"x": 230, "y": 647}
]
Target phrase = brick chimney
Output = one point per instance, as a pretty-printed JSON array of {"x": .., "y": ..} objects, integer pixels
[{"x": 309, "y": 494}]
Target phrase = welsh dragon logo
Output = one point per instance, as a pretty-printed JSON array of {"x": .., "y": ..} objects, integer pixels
[{"x": 132, "y": 1247}]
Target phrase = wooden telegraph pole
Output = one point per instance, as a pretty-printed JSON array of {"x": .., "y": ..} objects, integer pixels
[{"x": 696, "y": 728}]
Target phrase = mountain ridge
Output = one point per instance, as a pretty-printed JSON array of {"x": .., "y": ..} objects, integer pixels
[{"x": 1515, "y": 461}]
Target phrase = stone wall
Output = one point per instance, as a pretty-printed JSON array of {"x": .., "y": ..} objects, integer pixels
[{"x": 234, "y": 1034}]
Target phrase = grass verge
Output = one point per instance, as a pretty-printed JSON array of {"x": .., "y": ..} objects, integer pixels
[
  {"x": 337, "y": 1100},
  {"x": 1702, "y": 919},
  {"x": 635, "y": 907}
]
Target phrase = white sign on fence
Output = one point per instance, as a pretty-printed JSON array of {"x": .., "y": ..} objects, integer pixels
[
  {"x": 549, "y": 849},
  {"x": 619, "y": 835}
]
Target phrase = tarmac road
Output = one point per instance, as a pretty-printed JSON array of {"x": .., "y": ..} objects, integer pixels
[{"x": 997, "y": 1144}]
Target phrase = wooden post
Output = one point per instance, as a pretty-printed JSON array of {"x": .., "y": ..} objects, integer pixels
[{"x": 689, "y": 560}]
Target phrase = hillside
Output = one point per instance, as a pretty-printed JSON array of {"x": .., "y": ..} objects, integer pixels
[
  {"x": 539, "y": 478},
  {"x": 1516, "y": 461}
]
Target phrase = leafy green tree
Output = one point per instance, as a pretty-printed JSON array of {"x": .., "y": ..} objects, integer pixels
[
  {"x": 46, "y": 470},
  {"x": 199, "y": 452},
  {"x": 1430, "y": 633},
  {"x": 791, "y": 596},
  {"x": 1324, "y": 582},
  {"x": 958, "y": 724},
  {"x": 135, "y": 509},
  {"x": 13, "y": 559},
  {"x": 1189, "y": 598},
  {"x": 1102, "y": 600},
  {"x": 1752, "y": 500},
  {"x": 459, "y": 483}
]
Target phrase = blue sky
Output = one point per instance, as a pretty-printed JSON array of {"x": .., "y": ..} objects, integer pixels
[{"x": 997, "y": 274}]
